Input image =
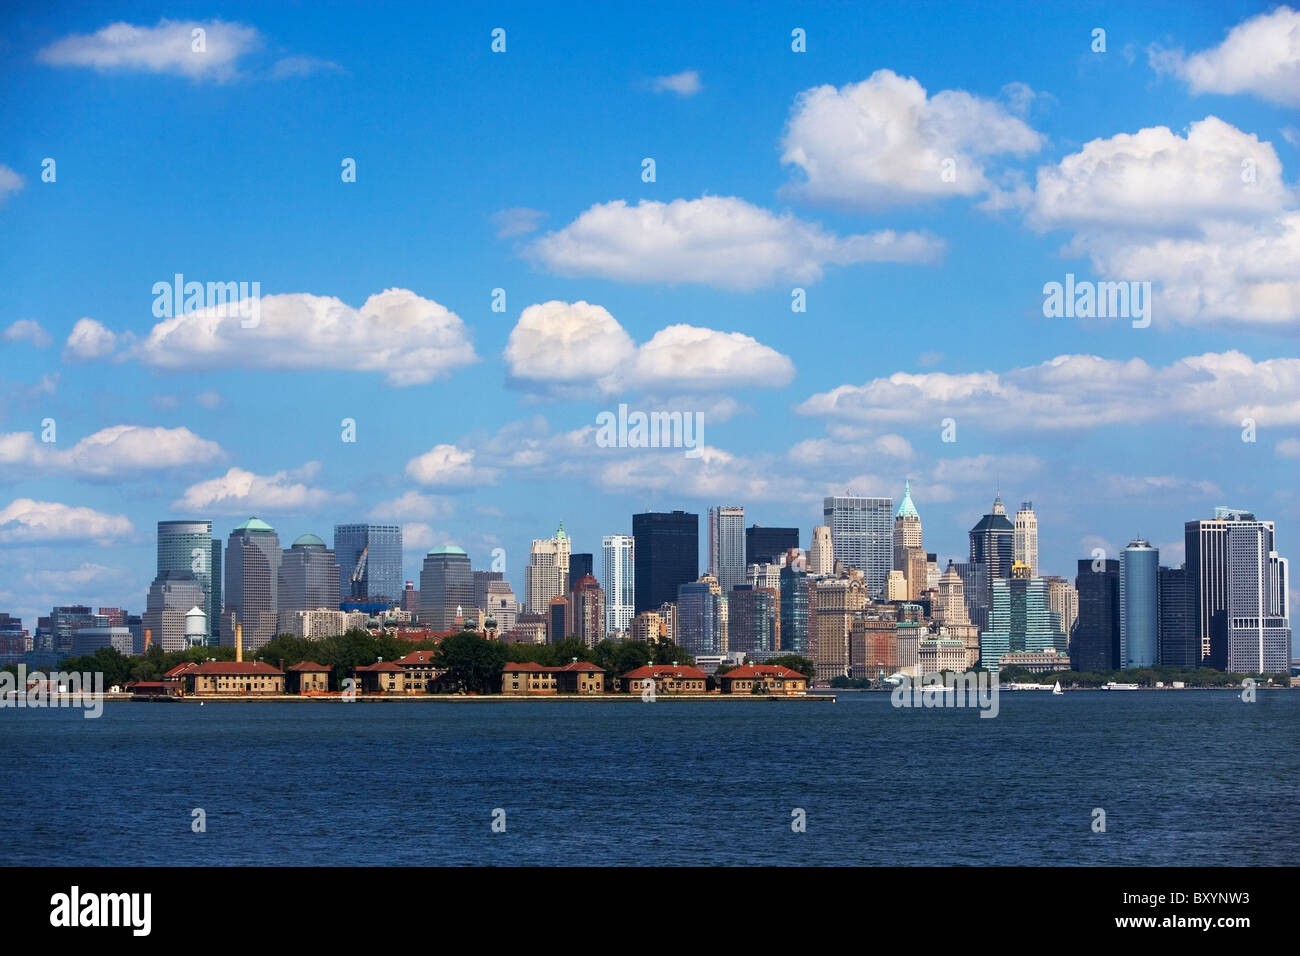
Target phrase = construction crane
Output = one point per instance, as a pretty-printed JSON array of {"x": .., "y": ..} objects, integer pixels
[{"x": 359, "y": 572}]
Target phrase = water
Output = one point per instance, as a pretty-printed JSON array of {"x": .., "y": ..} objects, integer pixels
[{"x": 1184, "y": 777}]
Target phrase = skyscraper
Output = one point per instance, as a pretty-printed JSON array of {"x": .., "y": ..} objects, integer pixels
[
  {"x": 794, "y": 608},
  {"x": 1020, "y": 619},
  {"x": 727, "y": 546},
  {"x": 909, "y": 552},
  {"x": 309, "y": 579},
  {"x": 831, "y": 606},
  {"x": 588, "y": 610},
  {"x": 378, "y": 578},
  {"x": 765, "y": 545},
  {"x": 753, "y": 620},
  {"x": 482, "y": 580},
  {"x": 701, "y": 617},
  {"x": 1026, "y": 537},
  {"x": 580, "y": 565},
  {"x": 1259, "y": 633},
  {"x": 171, "y": 596},
  {"x": 187, "y": 547},
  {"x": 619, "y": 581},
  {"x": 1179, "y": 646},
  {"x": 667, "y": 556},
  {"x": 1139, "y": 605},
  {"x": 1095, "y": 644},
  {"x": 252, "y": 594},
  {"x": 992, "y": 552},
  {"x": 547, "y": 575},
  {"x": 821, "y": 553},
  {"x": 862, "y": 537},
  {"x": 446, "y": 587}
]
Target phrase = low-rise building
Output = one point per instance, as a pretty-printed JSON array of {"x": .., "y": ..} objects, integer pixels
[
  {"x": 245, "y": 678},
  {"x": 1036, "y": 662},
  {"x": 307, "y": 677},
  {"x": 773, "y": 678},
  {"x": 579, "y": 677},
  {"x": 527, "y": 679},
  {"x": 420, "y": 672},
  {"x": 385, "y": 677},
  {"x": 668, "y": 679}
]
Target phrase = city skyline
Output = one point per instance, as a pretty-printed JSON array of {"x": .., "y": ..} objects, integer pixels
[{"x": 922, "y": 298}]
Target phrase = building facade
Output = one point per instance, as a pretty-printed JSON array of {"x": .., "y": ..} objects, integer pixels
[
  {"x": 727, "y": 546},
  {"x": 667, "y": 548},
  {"x": 862, "y": 537},
  {"x": 378, "y": 578},
  {"x": 1139, "y": 605},
  {"x": 252, "y": 591},
  {"x": 618, "y": 552}
]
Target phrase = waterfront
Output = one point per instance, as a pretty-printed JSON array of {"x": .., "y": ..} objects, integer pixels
[{"x": 1197, "y": 777}]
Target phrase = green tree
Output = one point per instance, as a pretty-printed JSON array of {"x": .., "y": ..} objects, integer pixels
[
  {"x": 795, "y": 662},
  {"x": 474, "y": 662}
]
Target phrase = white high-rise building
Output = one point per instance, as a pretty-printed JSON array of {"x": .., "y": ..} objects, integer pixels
[
  {"x": 727, "y": 546},
  {"x": 619, "y": 581},
  {"x": 547, "y": 575},
  {"x": 1026, "y": 537},
  {"x": 821, "y": 555}
]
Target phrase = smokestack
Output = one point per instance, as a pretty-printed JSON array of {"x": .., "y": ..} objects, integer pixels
[
  {"x": 148, "y": 637},
  {"x": 239, "y": 642}
]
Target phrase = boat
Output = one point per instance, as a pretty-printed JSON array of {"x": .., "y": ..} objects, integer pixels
[
  {"x": 1114, "y": 686},
  {"x": 1057, "y": 689}
]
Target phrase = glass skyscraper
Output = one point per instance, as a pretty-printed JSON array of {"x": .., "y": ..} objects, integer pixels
[
  {"x": 701, "y": 618},
  {"x": 309, "y": 579},
  {"x": 253, "y": 559},
  {"x": 1139, "y": 605},
  {"x": 862, "y": 537},
  {"x": 727, "y": 546},
  {"x": 1020, "y": 619},
  {"x": 1095, "y": 642},
  {"x": 619, "y": 581},
  {"x": 794, "y": 610},
  {"x": 379, "y": 578},
  {"x": 186, "y": 547},
  {"x": 766, "y": 545},
  {"x": 667, "y": 556},
  {"x": 992, "y": 552},
  {"x": 446, "y": 585}
]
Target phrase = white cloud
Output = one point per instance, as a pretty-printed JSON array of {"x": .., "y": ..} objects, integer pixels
[
  {"x": 411, "y": 505},
  {"x": 10, "y": 182},
  {"x": 843, "y": 449},
  {"x": 302, "y": 66},
  {"x": 516, "y": 221},
  {"x": 239, "y": 492},
  {"x": 686, "y": 83},
  {"x": 569, "y": 346},
  {"x": 1206, "y": 218},
  {"x": 1287, "y": 448},
  {"x": 412, "y": 340},
  {"x": 884, "y": 141},
  {"x": 27, "y": 330},
  {"x": 448, "y": 466},
  {"x": 715, "y": 240},
  {"x": 1159, "y": 487},
  {"x": 1260, "y": 56},
  {"x": 88, "y": 341},
  {"x": 166, "y": 47},
  {"x": 1078, "y": 391},
  {"x": 209, "y": 398},
  {"x": 25, "y": 520},
  {"x": 117, "y": 450},
  {"x": 85, "y": 575}
]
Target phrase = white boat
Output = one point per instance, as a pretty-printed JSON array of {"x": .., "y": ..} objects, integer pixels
[
  {"x": 1057, "y": 688},
  {"x": 1114, "y": 686}
]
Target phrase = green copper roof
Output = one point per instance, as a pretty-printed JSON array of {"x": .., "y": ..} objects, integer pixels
[
  {"x": 308, "y": 540},
  {"x": 254, "y": 524},
  {"x": 907, "y": 509},
  {"x": 559, "y": 534},
  {"x": 447, "y": 549}
]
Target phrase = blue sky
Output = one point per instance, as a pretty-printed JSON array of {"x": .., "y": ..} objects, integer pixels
[{"x": 522, "y": 171}]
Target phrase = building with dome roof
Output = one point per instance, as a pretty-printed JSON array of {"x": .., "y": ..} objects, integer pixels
[
  {"x": 252, "y": 591},
  {"x": 309, "y": 581},
  {"x": 446, "y": 587}
]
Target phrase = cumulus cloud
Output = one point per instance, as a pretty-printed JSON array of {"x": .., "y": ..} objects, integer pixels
[
  {"x": 569, "y": 345},
  {"x": 1206, "y": 217},
  {"x": 89, "y": 341},
  {"x": 240, "y": 492},
  {"x": 1079, "y": 391},
  {"x": 27, "y": 330},
  {"x": 10, "y": 182},
  {"x": 412, "y": 340},
  {"x": 1259, "y": 56},
  {"x": 27, "y": 521},
  {"x": 844, "y": 448},
  {"x": 85, "y": 575},
  {"x": 109, "y": 452},
  {"x": 516, "y": 221},
  {"x": 169, "y": 46},
  {"x": 715, "y": 240},
  {"x": 885, "y": 141},
  {"x": 448, "y": 466},
  {"x": 686, "y": 83},
  {"x": 411, "y": 505}
]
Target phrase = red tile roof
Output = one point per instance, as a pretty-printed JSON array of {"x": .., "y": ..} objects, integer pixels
[
  {"x": 308, "y": 666},
  {"x": 534, "y": 668},
  {"x": 417, "y": 657},
  {"x": 666, "y": 670},
  {"x": 750, "y": 671},
  {"x": 180, "y": 669},
  {"x": 580, "y": 666},
  {"x": 237, "y": 667},
  {"x": 381, "y": 666}
]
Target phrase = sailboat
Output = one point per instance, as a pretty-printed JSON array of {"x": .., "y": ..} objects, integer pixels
[{"x": 1057, "y": 688}]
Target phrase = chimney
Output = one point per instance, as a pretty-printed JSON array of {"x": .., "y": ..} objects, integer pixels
[
  {"x": 239, "y": 641},
  {"x": 148, "y": 637}
]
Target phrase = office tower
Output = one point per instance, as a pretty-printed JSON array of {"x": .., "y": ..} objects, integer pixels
[
  {"x": 909, "y": 553},
  {"x": 1020, "y": 619},
  {"x": 1095, "y": 645},
  {"x": 832, "y": 604},
  {"x": 896, "y": 587},
  {"x": 1259, "y": 633},
  {"x": 411, "y": 598},
  {"x": 481, "y": 581},
  {"x": 727, "y": 546},
  {"x": 115, "y": 616},
  {"x": 252, "y": 591},
  {"x": 619, "y": 581},
  {"x": 547, "y": 575},
  {"x": 647, "y": 627},
  {"x": 932, "y": 572},
  {"x": 580, "y": 565},
  {"x": 1064, "y": 600},
  {"x": 557, "y": 619},
  {"x": 588, "y": 610},
  {"x": 874, "y": 643},
  {"x": 309, "y": 579},
  {"x": 370, "y": 562},
  {"x": 766, "y": 545},
  {"x": 1178, "y": 644},
  {"x": 821, "y": 553},
  {"x": 753, "y": 621},
  {"x": 446, "y": 588},
  {"x": 1139, "y": 604},
  {"x": 992, "y": 552},
  {"x": 950, "y": 612},
  {"x": 1026, "y": 537},
  {"x": 862, "y": 537},
  {"x": 763, "y": 576},
  {"x": 667, "y": 555},
  {"x": 793, "y": 596},
  {"x": 501, "y": 606},
  {"x": 668, "y": 618},
  {"x": 188, "y": 547},
  {"x": 171, "y": 596},
  {"x": 701, "y": 617}
]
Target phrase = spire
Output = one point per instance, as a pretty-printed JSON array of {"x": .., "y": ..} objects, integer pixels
[
  {"x": 559, "y": 532},
  {"x": 906, "y": 509}
]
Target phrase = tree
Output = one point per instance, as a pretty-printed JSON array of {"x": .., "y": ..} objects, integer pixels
[
  {"x": 665, "y": 653},
  {"x": 474, "y": 662},
  {"x": 795, "y": 662}
]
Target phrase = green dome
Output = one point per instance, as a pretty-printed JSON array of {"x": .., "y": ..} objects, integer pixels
[
  {"x": 907, "y": 509},
  {"x": 447, "y": 549},
  {"x": 254, "y": 524},
  {"x": 308, "y": 541}
]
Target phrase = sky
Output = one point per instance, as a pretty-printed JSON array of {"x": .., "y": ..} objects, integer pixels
[{"x": 837, "y": 259}]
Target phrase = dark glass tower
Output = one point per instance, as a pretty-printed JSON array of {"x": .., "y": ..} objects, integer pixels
[
  {"x": 667, "y": 548},
  {"x": 1095, "y": 642},
  {"x": 580, "y": 566},
  {"x": 992, "y": 552},
  {"x": 765, "y": 545},
  {"x": 1178, "y": 644}
]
